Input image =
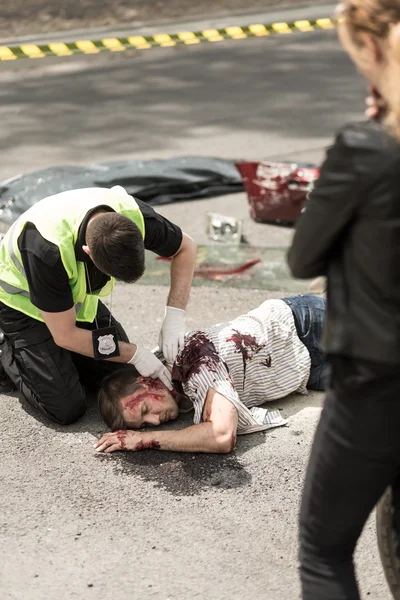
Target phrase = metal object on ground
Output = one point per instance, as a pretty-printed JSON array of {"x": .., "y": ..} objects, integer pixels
[
  {"x": 221, "y": 228},
  {"x": 277, "y": 191}
]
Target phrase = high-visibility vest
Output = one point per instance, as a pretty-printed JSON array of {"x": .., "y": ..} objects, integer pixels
[{"x": 58, "y": 218}]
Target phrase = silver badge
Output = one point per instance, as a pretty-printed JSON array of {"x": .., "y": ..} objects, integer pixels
[{"x": 106, "y": 344}]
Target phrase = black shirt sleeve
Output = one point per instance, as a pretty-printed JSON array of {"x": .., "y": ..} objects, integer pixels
[
  {"x": 161, "y": 236},
  {"x": 48, "y": 280}
]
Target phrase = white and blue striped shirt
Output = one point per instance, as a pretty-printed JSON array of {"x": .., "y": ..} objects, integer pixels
[{"x": 255, "y": 358}]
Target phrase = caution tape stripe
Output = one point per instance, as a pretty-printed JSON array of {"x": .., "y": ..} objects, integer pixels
[{"x": 138, "y": 42}]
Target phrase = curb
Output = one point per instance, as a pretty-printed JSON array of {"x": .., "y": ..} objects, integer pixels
[{"x": 137, "y": 42}]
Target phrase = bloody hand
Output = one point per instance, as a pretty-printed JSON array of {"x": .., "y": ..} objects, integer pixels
[{"x": 125, "y": 440}]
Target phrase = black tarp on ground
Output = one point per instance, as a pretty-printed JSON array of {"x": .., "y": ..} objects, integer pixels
[{"x": 155, "y": 181}]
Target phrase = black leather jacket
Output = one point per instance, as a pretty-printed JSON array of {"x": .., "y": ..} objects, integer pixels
[{"x": 350, "y": 231}]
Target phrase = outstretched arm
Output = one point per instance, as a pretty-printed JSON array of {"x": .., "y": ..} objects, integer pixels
[{"x": 217, "y": 433}]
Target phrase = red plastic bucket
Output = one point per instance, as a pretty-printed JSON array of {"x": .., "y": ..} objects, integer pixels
[{"x": 277, "y": 191}]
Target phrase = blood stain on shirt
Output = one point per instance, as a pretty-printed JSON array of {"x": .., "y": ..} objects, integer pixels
[
  {"x": 198, "y": 352},
  {"x": 246, "y": 345},
  {"x": 268, "y": 362}
]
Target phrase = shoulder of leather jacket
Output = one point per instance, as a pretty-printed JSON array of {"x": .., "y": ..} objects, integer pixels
[{"x": 367, "y": 135}]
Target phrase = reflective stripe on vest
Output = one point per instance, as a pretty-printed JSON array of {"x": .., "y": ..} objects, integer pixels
[
  {"x": 10, "y": 248},
  {"x": 59, "y": 225},
  {"x": 10, "y": 289}
]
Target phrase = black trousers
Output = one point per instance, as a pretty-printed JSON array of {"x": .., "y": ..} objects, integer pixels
[
  {"x": 355, "y": 456},
  {"x": 52, "y": 379}
]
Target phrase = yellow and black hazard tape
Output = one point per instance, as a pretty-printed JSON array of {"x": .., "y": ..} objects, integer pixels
[{"x": 137, "y": 42}]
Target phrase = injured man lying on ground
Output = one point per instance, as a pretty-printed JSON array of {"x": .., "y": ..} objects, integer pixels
[{"x": 225, "y": 373}]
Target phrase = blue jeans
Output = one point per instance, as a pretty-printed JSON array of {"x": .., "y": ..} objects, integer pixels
[{"x": 309, "y": 316}]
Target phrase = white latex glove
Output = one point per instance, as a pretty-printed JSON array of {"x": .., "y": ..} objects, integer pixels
[
  {"x": 149, "y": 365},
  {"x": 172, "y": 334}
]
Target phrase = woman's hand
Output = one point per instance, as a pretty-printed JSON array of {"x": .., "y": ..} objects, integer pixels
[{"x": 376, "y": 106}]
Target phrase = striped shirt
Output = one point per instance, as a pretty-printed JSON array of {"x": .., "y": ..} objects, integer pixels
[{"x": 255, "y": 358}]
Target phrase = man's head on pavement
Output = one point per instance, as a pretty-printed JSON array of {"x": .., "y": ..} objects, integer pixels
[
  {"x": 128, "y": 402},
  {"x": 116, "y": 246},
  {"x": 370, "y": 33}
]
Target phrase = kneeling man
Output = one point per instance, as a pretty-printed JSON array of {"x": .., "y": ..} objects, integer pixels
[{"x": 225, "y": 372}]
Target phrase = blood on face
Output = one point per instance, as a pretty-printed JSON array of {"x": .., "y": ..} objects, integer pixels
[
  {"x": 152, "y": 384},
  {"x": 146, "y": 393}
]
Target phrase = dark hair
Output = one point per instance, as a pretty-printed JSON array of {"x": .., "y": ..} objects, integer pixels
[
  {"x": 116, "y": 246},
  {"x": 120, "y": 384}
]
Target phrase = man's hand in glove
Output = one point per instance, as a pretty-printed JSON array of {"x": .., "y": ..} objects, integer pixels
[
  {"x": 149, "y": 365},
  {"x": 172, "y": 334}
]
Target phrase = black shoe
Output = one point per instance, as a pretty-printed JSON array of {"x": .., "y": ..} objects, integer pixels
[{"x": 6, "y": 385}]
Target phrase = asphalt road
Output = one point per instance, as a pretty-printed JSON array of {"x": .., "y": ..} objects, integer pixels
[{"x": 162, "y": 525}]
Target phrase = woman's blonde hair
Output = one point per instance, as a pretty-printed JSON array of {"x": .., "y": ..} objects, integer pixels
[{"x": 380, "y": 18}]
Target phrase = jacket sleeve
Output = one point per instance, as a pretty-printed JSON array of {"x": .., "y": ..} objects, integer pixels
[{"x": 327, "y": 214}]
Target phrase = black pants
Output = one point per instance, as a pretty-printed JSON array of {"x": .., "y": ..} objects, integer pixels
[
  {"x": 50, "y": 378},
  {"x": 355, "y": 456}
]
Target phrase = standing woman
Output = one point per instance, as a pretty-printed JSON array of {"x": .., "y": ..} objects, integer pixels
[{"x": 350, "y": 232}]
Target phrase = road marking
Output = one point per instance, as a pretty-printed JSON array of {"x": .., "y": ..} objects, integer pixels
[
  {"x": 282, "y": 28},
  {"x": 162, "y": 40},
  {"x": 258, "y": 30},
  {"x": 86, "y": 47},
  {"x": 139, "y": 42},
  {"x": 6, "y": 53},
  {"x": 113, "y": 44},
  {"x": 60, "y": 49},
  {"x": 32, "y": 51}
]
